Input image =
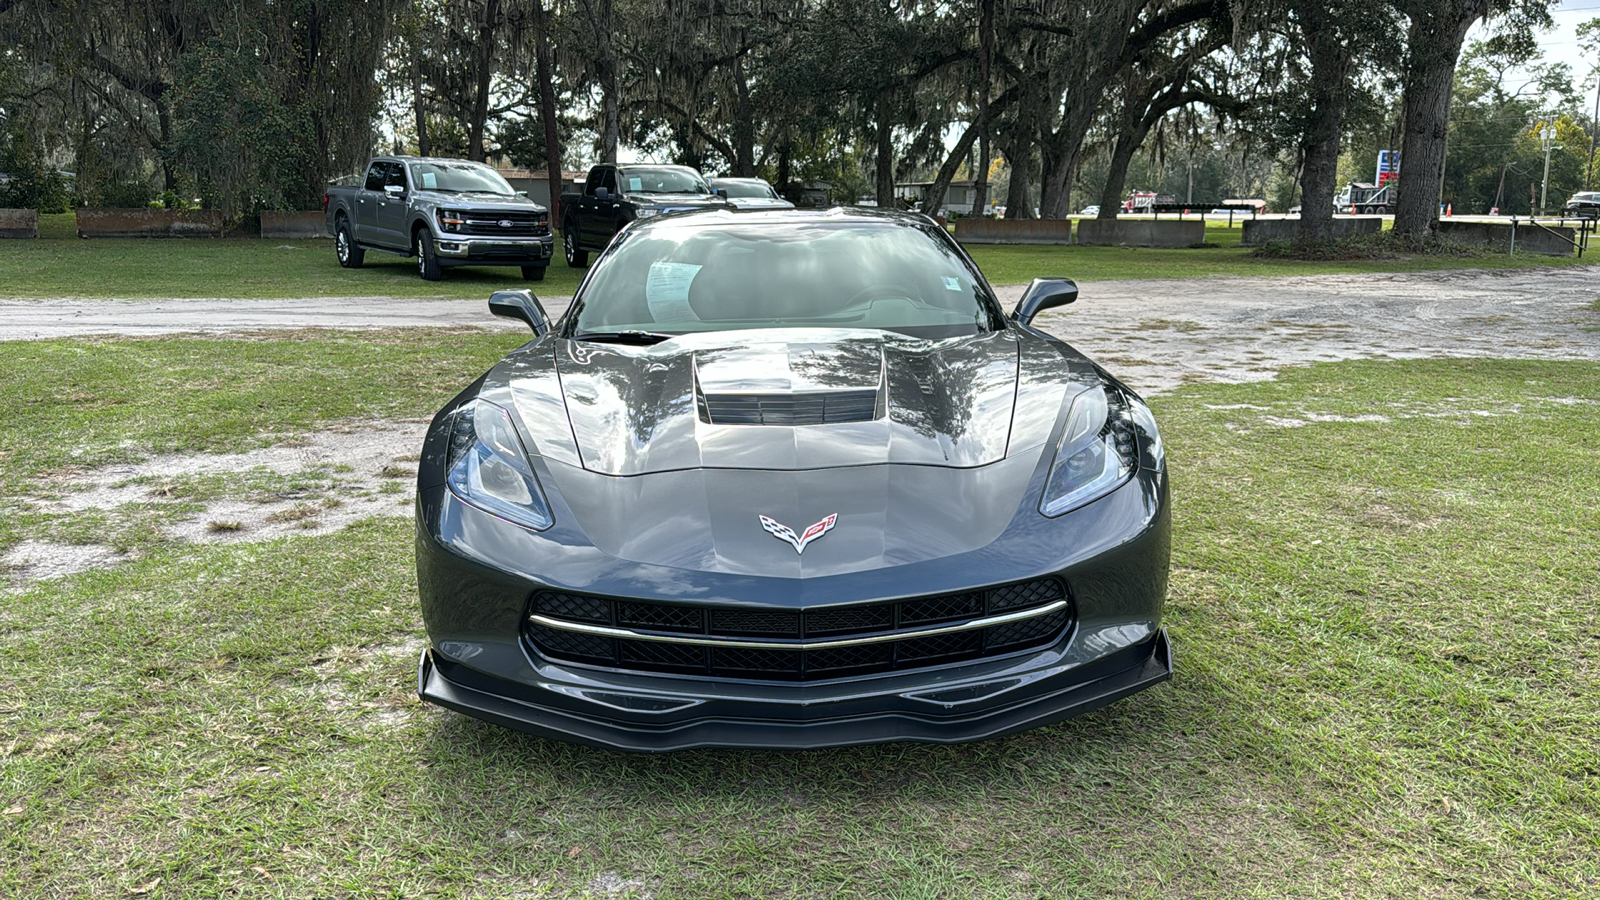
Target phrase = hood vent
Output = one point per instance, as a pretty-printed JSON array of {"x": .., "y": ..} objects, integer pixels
[{"x": 796, "y": 408}]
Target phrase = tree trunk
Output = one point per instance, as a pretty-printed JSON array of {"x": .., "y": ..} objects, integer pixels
[
  {"x": 424, "y": 146},
  {"x": 1017, "y": 206},
  {"x": 547, "y": 110},
  {"x": 605, "y": 66},
  {"x": 947, "y": 172},
  {"x": 1434, "y": 38},
  {"x": 1117, "y": 175},
  {"x": 480, "y": 100},
  {"x": 1329, "y": 71},
  {"x": 980, "y": 182},
  {"x": 885, "y": 154},
  {"x": 744, "y": 132}
]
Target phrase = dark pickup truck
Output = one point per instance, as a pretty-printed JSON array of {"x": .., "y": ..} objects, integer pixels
[
  {"x": 445, "y": 212},
  {"x": 613, "y": 196}
]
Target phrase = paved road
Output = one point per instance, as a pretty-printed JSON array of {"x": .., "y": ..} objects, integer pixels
[{"x": 1156, "y": 334}]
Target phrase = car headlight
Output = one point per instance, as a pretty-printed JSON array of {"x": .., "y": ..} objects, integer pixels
[
  {"x": 1098, "y": 450},
  {"x": 451, "y": 219},
  {"x": 645, "y": 212},
  {"x": 489, "y": 468}
]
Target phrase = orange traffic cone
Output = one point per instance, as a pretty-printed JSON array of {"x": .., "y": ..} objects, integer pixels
[{"x": 1449, "y": 209}]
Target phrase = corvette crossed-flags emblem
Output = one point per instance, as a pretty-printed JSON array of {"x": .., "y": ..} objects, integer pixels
[{"x": 798, "y": 541}]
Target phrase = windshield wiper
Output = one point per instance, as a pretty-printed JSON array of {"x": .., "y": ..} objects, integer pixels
[{"x": 623, "y": 337}]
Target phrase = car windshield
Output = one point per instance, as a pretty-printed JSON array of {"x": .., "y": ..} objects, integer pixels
[
  {"x": 878, "y": 274},
  {"x": 458, "y": 177},
  {"x": 662, "y": 180},
  {"x": 748, "y": 190}
]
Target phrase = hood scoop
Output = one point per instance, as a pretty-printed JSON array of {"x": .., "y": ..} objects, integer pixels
[
  {"x": 789, "y": 385},
  {"x": 755, "y": 400}
]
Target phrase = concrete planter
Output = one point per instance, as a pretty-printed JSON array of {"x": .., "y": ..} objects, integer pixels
[
  {"x": 1263, "y": 231},
  {"x": 311, "y": 224},
  {"x": 19, "y": 223},
  {"x": 1141, "y": 233},
  {"x": 124, "y": 223},
  {"x": 977, "y": 230},
  {"x": 1497, "y": 237}
]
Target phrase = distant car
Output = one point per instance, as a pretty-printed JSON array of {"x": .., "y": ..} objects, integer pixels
[
  {"x": 1089, "y": 211},
  {"x": 1220, "y": 212},
  {"x": 1584, "y": 203},
  {"x": 749, "y": 193}
]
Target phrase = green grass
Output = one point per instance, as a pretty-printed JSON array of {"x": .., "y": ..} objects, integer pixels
[
  {"x": 1384, "y": 630},
  {"x": 61, "y": 266},
  {"x": 77, "y": 404}
]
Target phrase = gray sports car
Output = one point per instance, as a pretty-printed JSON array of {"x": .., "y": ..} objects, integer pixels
[{"x": 790, "y": 479}]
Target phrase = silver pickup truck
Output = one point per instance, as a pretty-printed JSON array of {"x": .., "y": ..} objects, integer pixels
[{"x": 445, "y": 212}]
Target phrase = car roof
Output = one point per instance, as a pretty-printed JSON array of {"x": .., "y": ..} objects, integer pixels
[
  {"x": 835, "y": 215},
  {"x": 740, "y": 178}
]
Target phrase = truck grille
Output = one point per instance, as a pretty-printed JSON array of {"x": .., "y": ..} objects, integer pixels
[
  {"x": 893, "y": 628},
  {"x": 493, "y": 224}
]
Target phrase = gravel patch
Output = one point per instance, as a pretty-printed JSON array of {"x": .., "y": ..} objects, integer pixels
[{"x": 333, "y": 478}]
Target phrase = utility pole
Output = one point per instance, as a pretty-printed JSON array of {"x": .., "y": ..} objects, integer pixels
[
  {"x": 1547, "y": 140},
  {"x": 1594, "y": 131}
]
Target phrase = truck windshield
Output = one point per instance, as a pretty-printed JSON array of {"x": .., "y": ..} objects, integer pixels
[
  {"x": 457, "y": 177},
  {"x": 885, "y": 274},
  {"x": 661, "y": 180}
]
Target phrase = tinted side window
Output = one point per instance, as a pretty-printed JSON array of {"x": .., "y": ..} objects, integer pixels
[
  {"x": 610, "y": 182},
  {"x": 596, "y": 175},
  {"x": 394, "y": 174},
  {"x": 375, "y": 177}
]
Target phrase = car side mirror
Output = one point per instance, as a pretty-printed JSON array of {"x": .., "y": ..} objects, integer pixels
[
  {"x": 1043, "y": 294},
  {"x": 522, "y": 194},
  {"x": 602, "y": 194},
  {"x": 394, "y": 191},
  {"x": 723, "y": 193},
  {"x": 520, "y": 303}
]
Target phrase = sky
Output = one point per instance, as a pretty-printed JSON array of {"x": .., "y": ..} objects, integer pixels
[{"x": 1561, "y": 44}]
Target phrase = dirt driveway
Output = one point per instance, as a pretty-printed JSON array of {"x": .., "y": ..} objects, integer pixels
[{"x": 1154, "y": 334}]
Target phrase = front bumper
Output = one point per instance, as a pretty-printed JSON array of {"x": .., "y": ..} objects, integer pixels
[
  {"x": 458, "y": 250},
  {"x": 938, "y": 713}
]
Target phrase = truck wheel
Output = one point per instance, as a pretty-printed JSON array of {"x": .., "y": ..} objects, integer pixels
[
  {"x": 577, "y": 257},
  {"x": 345, "y": 247},
  {"x": 427, "y": 257},
  {"x": 533, "y": 273}
]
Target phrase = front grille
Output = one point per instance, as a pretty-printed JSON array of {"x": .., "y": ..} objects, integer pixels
[
  {"x": 522, "y": 224},
  {"x": 807, "y": 408},
  {"x": 827, "y": 623}
]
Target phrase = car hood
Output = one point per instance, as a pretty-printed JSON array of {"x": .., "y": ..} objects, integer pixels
[
  {"x": 842, "y": 398},
  {"x": 478, "y": 200},
  {"x": 676, "y": 201}
]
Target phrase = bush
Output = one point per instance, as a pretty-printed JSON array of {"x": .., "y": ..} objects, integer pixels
[
  {"x": 29, "y": 183},
  {"x": 1383, "y": 245}
]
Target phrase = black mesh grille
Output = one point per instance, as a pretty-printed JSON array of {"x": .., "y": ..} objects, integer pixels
[
  {"x": 810, "y": 408},
  {"x": 770, "y": 623},
  {"x": 876, "y": 619},
  {"x": 573, "y": 606},
  {"x": 1027, "y": 593},
  {"x": 661, "y": 618},
  {"x": 1027, "y": 631},
  {"x": 940, "y": 609}
]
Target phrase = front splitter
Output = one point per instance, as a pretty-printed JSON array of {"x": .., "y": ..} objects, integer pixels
[{"x": 892, "y": 724}]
